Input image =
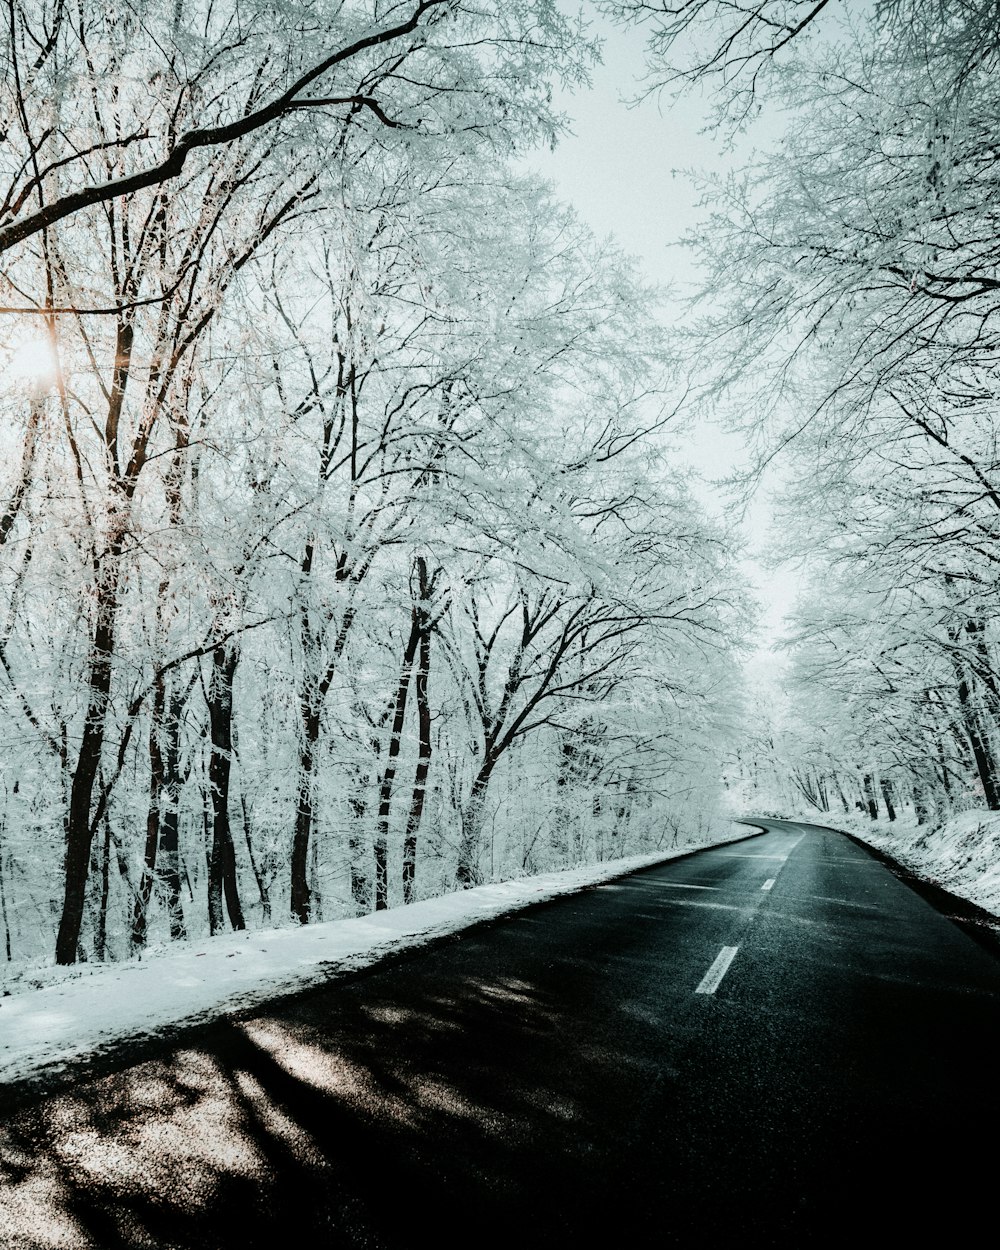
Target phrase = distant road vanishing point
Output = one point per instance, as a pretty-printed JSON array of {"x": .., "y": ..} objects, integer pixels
[{"x": 776, "y": 1041}]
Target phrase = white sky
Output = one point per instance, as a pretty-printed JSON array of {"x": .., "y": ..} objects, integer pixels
[{"x": 623, "y": 169}]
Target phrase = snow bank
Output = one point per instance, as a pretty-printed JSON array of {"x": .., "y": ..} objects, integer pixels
[{"x": 58, "y": 1014}]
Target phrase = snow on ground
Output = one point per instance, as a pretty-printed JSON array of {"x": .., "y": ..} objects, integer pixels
[
  {"x": 962, "y": 855},
  {"x": 65, "y": 1013}
]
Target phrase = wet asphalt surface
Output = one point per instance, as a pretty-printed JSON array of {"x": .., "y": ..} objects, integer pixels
[{"x": 556, "y": 1077}]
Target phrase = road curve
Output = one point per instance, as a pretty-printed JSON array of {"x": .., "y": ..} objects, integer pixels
[{"x": 775, "y": 1040}]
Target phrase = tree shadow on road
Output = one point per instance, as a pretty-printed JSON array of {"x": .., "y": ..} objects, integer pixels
[{"x": 355, "y": 1116}]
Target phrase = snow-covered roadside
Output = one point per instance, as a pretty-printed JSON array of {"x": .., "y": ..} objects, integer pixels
[
  {"x": 962, "y": 855},
  {"x": 66, "y": 1013}
]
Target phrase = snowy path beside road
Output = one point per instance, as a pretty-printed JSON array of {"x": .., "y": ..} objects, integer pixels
[{"x": 85, "y": 1009}]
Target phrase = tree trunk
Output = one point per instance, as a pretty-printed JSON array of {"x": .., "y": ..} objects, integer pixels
[
  {"x": 944, "y": 772},
  {"x": 140, "y": 905},
  {"x": 423, "y": 767},
  {"x": 920, "y": 808},
  {"x": 566, "y": 777},
  {"x": 315, "y": 684},
  {"x": 263, "y": 890},
  {"x": 886, "y": 787},
  {"x": 841, "y": 795},
  {"x": 300, "y": 901},
  {"x": 990, "y": 710},
  {"x": 392, "y": 756},
  {"x": 79, "y": 830},
  {"x": 3, "y": 907},
  {"x": 871, "y": 801},
  {"x": 623, "y": 814},
  {"x": 467, "y": 870},
  {"x": 982, "y": 751},
  {"x": 630, "y": 792},
  {"x": 101, "y": 937},
  {"x": 357, "y": 847},
  {"x": 169, "y": 856},
  {"x": 36, "y": 411},
  {"x": 222, "y": 862},
  {"x": 164, "y": 751}
]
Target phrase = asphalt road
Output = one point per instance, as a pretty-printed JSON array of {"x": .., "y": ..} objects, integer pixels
[{"x": 776, "y": 1042}]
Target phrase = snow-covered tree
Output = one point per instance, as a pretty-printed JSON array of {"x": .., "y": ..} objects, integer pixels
[{"x": 317, "y": 404}]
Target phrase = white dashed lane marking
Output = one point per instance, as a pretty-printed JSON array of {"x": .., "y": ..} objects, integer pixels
[
  {"x": 781, "y": 858},
  {"x": 677, "y": 885},
  {"x": 720, "y": 966},
  {"x": 712, "y": 979}
]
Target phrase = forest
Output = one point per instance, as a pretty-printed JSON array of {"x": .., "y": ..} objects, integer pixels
[
  {"x": 348, "y": 550},
  {"x": 856, "y": 282},
  {"x": 343, "y": 557}
]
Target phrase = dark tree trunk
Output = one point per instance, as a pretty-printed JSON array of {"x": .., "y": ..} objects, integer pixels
[
  {"x": 140, "y": 905},
  {"x": 629, "y": 811},
  {"x": 36, "y": 410},
  {"x": 357, "y": 847},
  {"x": 423, "y": 767},
  {"x": 821, "y": 790},
  {"x": 101, "y": 920},
  {"x": 467, "y": 870},
  {"x": 885, "y": 785},
  {"x": 566, "y": 776},
  {"x": 805, "y": 784},
  {"x": 164, "y": 755},
  {"x": 316, "y": 684},
  {"x": 388, "y": 779},
  {"x": 79, "y": 823},
  {"x": 3, "y": 905},
  {"x": 870, "y": 799},
  {"x": 311, "y": 699},
  {"x": 975, "y": 718},
  {"x": 162, "y": 832},
  {"x": 79, "y": 829},
  {"x": 301, "y": 895},
  {"x": 222, "y": 862},
  {"x": 623, "y": 810},
  {"x": 263, "y": 889},
  {"x": 985, "y": 675},
  {"x": 920, "y": 808},
  {"x": 169, "y": 856},
  {"x": 841, "y": 795},
  {"x": 982, "y": 751},
  {"x": 943, "y": 771}
]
